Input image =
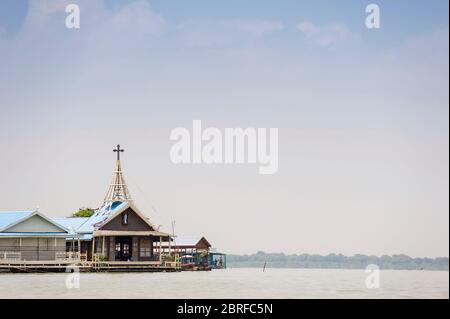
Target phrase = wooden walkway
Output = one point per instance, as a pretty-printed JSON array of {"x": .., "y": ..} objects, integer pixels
[
  {"x": 129, "y": 266},
  {"x": 88, "y": 266}
]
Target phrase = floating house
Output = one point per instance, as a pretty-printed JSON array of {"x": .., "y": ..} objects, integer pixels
[
  {"x": 116, "y": 232},
  {"x": 31, "y": 236},
  {"x": 195, "y": 253},
  {"x": 118, "y": 236}
]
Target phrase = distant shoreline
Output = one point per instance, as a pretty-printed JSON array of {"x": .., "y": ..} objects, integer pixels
[{"x": 335, "y": 261}]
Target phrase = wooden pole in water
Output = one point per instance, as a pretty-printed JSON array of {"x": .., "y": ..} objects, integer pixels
[{"x": 264, "y": 268}]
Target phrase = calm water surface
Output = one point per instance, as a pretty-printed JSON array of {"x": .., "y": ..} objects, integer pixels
[{"x": 230, "y": 283}]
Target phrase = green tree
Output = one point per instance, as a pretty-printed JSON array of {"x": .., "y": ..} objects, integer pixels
[{"x": 84, "y": 212}]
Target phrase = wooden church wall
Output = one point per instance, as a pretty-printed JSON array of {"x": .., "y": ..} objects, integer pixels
[{"x": 135, "y": 223}]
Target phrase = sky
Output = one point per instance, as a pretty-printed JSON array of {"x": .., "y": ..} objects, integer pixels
[{"x": 362, "y": 117}]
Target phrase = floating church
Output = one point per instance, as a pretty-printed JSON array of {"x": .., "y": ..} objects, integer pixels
[{"x": 117, "y": 237}]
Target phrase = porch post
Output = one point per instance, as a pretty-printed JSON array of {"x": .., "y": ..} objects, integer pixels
[
  {"x": 103, "y": 245},
  {"x": 170, "y": 247},
  {"x": 160, "y": 249},
  {"x": 93, "y": 248}
]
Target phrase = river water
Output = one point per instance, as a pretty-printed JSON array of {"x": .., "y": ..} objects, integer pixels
[{"x": 229, "y": 283}]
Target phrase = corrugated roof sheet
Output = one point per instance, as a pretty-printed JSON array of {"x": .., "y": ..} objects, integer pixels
[
  {"x": 36, "y": 234},
  {"x": 9, "y": 218},
  {"x": 100, "y": 216},
  {"x": 71, "y": 223},
  {"x": 185, "y": 241},
  {"x": 85, "y": 225},
  {"x": 81, "y": 225},
  {"x": 86, "y": 237}
]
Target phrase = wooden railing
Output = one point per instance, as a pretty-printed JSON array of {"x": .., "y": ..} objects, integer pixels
[
  {"x": 83, "y": 257},
  {"x": 10, "y": 256},
  {"x": 67, "y": 256},
  {"x": 172, "y": 261}
]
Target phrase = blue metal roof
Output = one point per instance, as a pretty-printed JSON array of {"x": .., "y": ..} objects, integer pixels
[
  {"x": 93, "y": 221},
  {"x": 184, "y": 241},
  {"x": 80, "y": 225},
  {"x": 109, "y": 210},
  {"x": 85, "y": 225},
  {"x": 9, "y": 218},
  {"x": 71, "y": 223},
  {"x": 38, "y": 234},
  {"x": 85, "y": 236}
]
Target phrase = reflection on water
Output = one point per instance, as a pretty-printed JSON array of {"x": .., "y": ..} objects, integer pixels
[{"x": 230, "y": 283}]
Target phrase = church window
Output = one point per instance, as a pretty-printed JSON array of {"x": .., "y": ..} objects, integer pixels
[{"x": 125, "y": 219}]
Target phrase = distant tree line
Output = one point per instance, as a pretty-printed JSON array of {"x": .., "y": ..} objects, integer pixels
[{"x": 280, "y": 260}]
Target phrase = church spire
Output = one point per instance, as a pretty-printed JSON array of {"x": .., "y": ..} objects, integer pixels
[{"x": 118, "y": 190}]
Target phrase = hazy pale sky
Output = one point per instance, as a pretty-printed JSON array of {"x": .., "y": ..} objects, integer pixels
[{"x": 362, "y": 117}]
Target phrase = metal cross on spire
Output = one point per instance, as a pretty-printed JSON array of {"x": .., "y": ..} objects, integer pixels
[
  {"x": 118, "y": 190},
  {"x": 118, "y": 150}
]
